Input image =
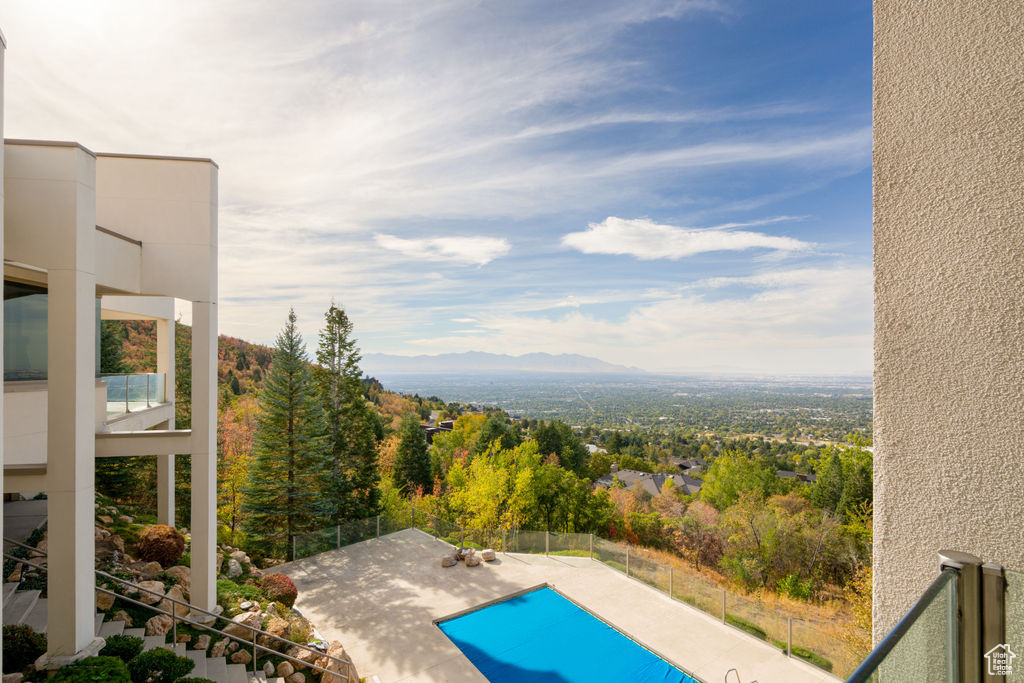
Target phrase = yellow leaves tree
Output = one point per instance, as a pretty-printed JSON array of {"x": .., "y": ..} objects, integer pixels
[{"x": 235, "y": 430}]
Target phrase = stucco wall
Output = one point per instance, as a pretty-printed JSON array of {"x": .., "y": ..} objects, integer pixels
[{"x": 949, "y": 290}]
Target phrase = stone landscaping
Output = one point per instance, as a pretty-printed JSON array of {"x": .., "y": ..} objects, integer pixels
[{"x": 467, "y": 555}]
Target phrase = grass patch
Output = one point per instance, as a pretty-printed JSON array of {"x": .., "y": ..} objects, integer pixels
[
  {"x": 571, "y": 553},
  {"x": 615, "y": 565},
  {"x": 744, "y": 625}
]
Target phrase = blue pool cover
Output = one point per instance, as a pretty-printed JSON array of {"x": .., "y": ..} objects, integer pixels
[{"x": 541, "y": 636}]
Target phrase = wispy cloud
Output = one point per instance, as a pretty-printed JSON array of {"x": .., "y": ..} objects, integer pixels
[
  {"x": 647, "y": 240},
  {"x": 474, "y": 250}
]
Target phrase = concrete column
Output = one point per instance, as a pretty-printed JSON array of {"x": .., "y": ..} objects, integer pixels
[
  {"x": 204, "y": 454},
  {"x": 165, "y": 463},
  {"x": 3, "y": 46},
  {"x": 71, "y": 405}
]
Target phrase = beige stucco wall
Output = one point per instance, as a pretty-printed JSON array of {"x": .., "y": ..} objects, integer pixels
[{"x": 949, "y": 289}]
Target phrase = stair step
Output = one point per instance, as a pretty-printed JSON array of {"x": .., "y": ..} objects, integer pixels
[
  {"x": 19, "y": 606},
  {"x": 36, "y": 618},
  {"x": 135, "y": 632},
  {"x": 257, "y": 677},
  {"x": 179, "y": 649},
  {"x": 9, "y": 588},
  {"x": 150, "y": 642},
  {"x": 237, "y": 674},
  {"x": 199, "y": 657},
  {"x": 216, "y": 669},
  {"x": 111, "y": 628},
  {"x": 97, "y": 621}
]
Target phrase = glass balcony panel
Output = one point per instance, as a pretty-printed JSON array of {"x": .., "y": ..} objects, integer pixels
[{"x": 157, "y": 388}]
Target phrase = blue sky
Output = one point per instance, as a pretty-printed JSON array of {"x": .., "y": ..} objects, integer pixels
[{"x": 671, "y": 185}]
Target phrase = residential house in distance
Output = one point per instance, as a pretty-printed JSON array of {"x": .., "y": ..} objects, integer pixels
[
  {"x": 87, "y": 237},
  {"x": 650, "y": 482},
  {"x": 799, "y": 476}
]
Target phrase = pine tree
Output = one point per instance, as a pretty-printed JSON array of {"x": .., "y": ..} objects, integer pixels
[
  {"x": 350, "y": 424},
  {"x": 285, "y": 494},
  {"x": 412, "y": 464}
]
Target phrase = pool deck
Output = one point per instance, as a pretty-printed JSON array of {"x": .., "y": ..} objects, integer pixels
[{"x": 380, "y": 598}]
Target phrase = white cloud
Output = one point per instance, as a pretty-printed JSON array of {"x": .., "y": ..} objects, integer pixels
[
  {"x": 473, "y": 250},
  {"x": 647, "y": 240}
]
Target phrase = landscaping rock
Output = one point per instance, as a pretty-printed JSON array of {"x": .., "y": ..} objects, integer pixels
[
  {"x": 121, "y": 615},
  {"x": 487, "y": 555},
  {"x": 202, "y": 642},
  {"x": 104, "y": 601},
  {"x": 204, "y": 618},
  {"x": 149, "y": 598},
  {"x": 277, "y": 627},
  {"x": 272, "y": 610},
  {"x": 15, "y": 575},
  {"x": 234, "y": 569},
  {"x": 126, "y": 519},
  {"x": 183, "y": 575},
  {"x": 233, "y": 645},
  {"x": 13, "y": 678},
  {"x": 285, "y": 669},
  {"x": 472, "y": 560},
  {"x": 159, "y": 625},
  {"x": 218, "y": 648},
  {"x": 296, "y": 678},
  {"x": 335, "y": 669},
  {"x": 269, "y": 562},
  {"x": 238, "y": 626},
  {"x": 449, "y": 561},
  {"x": 241, "y": 657},
  {"x": 304, "y": 656},
  {"x": 240, "y": 557},
  {"x": 105, "y": 519},
  {"x": 177, "y": 610},
  {"x": 184, "y": 638},
  {"x": 268, "y": 668},
  {"x": 146, "y": 571}
]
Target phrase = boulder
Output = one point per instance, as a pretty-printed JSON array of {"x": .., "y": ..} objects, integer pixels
[
  {"x": 304, "y": 656},
  {"x": 241, "y": 657},
  {"x": 184, "y": 638},
  {"x": 15, "y": 576},
  {"x": 487, "y": 555},
  {"x": 105, "y": 519},
  {"x": 277, "y": 627},
  {"x": 335, "y": 670},
  {"x": 234, "y": 569},
  {"x": 296, "y": 678},
  {"x": 449, "y": 560},
  {"x": 101, "y": 533},
  {"x": 204, "y": 618},
  {"x": 269, "y": 562},
  {"x": 104, "y": 601},
  {"x": 159, "y": 625},
  {"x": 147, "y": 598},
  {"x": 121, "y": 615},
  {"x": 183, "y": 575},
  {"x": 202, "y": 642},
  {"x": 218, "y": 648},
  {"x": 16, "y": 677},
  {"x": 233, "y": 645},
  {"x": 285, "y": 669},
  {"x": 238, "y": 626},
  {"x": 268, "y": 668},
  {"x": 240, "y": 557},
  {"x": 272, "y": 610},
  {"x": 472, "y": 560},
  {"x": 166, "y": 605},
  {"x": 126, "y": 519},
  {"x": 146, "y": 571}
]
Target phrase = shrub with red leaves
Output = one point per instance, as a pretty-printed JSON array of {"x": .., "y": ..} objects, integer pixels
[
  {"x": 279, "y": 588},
  {"x": 160, "y": 543}
]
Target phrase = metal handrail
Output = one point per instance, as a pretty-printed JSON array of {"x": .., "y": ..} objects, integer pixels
[
  {"x": 193, "y": 608},
  {"x": 868, "y": 666}
]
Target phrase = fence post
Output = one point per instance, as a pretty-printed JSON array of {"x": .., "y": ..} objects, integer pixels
[
  {"x": 293, "y": 547},
  {"x": 723, "y": 605},
  {"x": 591, "y": 546},
  {"x": 789, "y": 636},
  {"x": 627, "y": 560},
  {"x": 671, "y": 578},
  {"x": 547, "y": 544},
  {"x": 378, "y": 526},
  {"x": 504, "y": 548},
  {"x": 337, "y": 536},
  {"x": 462, "y": 537}
]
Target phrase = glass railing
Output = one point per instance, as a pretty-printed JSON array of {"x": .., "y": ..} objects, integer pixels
[
  {"x": 923, "y": 646},
  {"x": 817, "y": 643},
  {"x": 131, "y": 393}
]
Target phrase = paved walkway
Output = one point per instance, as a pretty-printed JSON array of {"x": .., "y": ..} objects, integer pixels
[
  {"x": 380, "y": 597},
  {"x": 22, "y": 517}
]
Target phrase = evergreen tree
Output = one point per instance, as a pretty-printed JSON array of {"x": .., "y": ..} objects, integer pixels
[
  {"x": 351, "y": 427},
  {"x": 285, "y": 494},
  {"x": 412, "y": 464},
  {"x": 111, "y": 347}
]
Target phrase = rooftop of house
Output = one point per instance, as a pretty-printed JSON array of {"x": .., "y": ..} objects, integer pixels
[{"x": 650, "y": 482}]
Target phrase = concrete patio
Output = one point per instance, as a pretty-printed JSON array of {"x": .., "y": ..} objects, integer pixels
[{"x": 380, "y": 597}]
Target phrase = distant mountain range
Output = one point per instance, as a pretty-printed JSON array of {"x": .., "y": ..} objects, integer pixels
[{"x": 479, "y": 361}]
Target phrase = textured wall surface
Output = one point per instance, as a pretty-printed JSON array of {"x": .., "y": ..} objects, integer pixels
[{"x": 949, "y": 290}]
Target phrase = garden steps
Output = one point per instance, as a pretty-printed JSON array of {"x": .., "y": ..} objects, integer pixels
[
  {"x": 18, "y": 606},
  {"x": 111, "y": 628},
  {"x": 199, "y": 657},
  {"x": 237, "y": 674},
  {"x": 36, "y": 618},
  {"x": 9, "y": 588}
]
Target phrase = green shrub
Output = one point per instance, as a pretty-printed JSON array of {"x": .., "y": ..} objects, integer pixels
[
  {"x": 812, "y": 657},
  {"x": 159, "y": 665},
  {"x": 22, "y": 647},
  {"x": 795, "y": 588},
  {"x": 125, "y": 648},
  {"x": 160, "y": 543},
  {"x": 279, "y": 588},
  {"x": 93, "y": 670},
  {"x": 745, "y": 625}
]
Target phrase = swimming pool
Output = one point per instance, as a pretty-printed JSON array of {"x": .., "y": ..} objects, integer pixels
[{"x": 542, "y": 636}]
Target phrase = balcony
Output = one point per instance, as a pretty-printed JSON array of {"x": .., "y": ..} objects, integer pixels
[{"x": 134, "y": 393}]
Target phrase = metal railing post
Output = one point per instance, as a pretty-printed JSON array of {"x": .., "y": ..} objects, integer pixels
[
  {"x": 504, "y": 548},
  {"x": 627, "y": 560},
  {"x": 591, "y": 546},
  {"x": 294, "y": 554},
  {"x": 462, "y": 536},
  {"x": 971, "y": 608},
  {"x": 671, "y": 579},
  {"x": 174, "y": 629},
  {"x": 547, "y": 542},
  {"x": 378, "y": 526},
  {"x": 789, "y": 636},
  {"x": 337, "y": 536},
  {"x": 723, "y": 605}
]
